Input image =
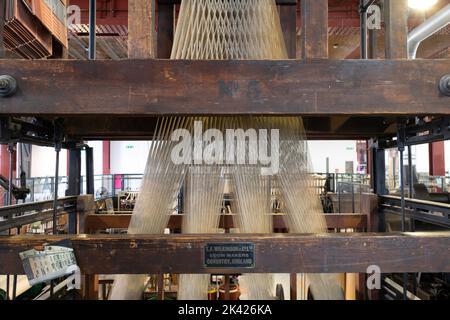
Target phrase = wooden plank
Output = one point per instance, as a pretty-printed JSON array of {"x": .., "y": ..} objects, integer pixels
[
  {"x": 293, "y": 286},
  {"x": 274, "y": 253},
  {"x": 369, "y": 207},
  {"x": 165, "y": 30},
  {"x": 142, "y": 128},
  {"x": 156, "y": 87},
  {"x": 141, "y": 29},
  {"x": 346, "y": 221},
  {"x": 96, "y": 222},
  {"x": 314, "y": 36},
  {"x": 396, "y": 29},
  {"x": 90, "y": 287}
]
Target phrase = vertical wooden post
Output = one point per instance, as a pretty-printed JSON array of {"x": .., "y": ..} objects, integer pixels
[
  {"x": 160, "y": 294},
  {"x": 165, "y": 30},
  {"x": 90, "y": 288},
  {"x": 314, "y": 29},
  {"x": 141, "y": 29},
  {"x": 85, "y": 206},
  {"x": 396, "y": 25},
  {"x": 89, "y": 282},
  {"x": 369, "y": 207},
  {"x": 293, "y": 285},
  {"x": 2, "y": 28},
  {"x": 288, "y": 18}
]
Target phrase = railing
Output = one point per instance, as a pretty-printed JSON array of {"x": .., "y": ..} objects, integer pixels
[
  {"x": 109, "y": 185},
  {"x": 333, "y": 179},
  {"x": 18, "y": 215},
  {"x": 427, "y": 211},
  {"x": 432, "y": 183}
]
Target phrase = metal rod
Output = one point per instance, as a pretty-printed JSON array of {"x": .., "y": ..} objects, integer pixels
[
  {"x": 363, "y": 7},
  {"x": 92, "y": 23},
  {"x": 7, "y": 286},
  {"x": 55, "y": 196},
  {"x": 411, "y": 174},
  {"x": 411, "y": 186},
  {"x": 402, "y": 201},
  {"x": 11, "y": 153},
  {"x": 9, "y": 202},
  {"x": 363, "y": 29},
  {"x": 14, "y": 290},
  {"x": 402, "y": 192}
]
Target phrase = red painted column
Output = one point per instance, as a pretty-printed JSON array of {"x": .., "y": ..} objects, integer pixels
[
  {"x": 436, "y": 153},
  {"x": 106, "y": 157}
]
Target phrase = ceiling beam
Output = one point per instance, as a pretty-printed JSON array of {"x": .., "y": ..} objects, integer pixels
[{"x": 175, "y": 87}]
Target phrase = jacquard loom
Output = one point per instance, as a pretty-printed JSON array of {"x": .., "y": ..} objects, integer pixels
[{"x": 212, "y": 228}]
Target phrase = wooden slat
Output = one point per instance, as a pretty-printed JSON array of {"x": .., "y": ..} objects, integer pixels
[
  {"x": 38, "y": 206},
  {"x": 288, "y": 253},
  {"x": 396, "y": 26},
  {"x": 314, "y": 35},
  {"x": 141, "y": 29},
  {"x": 96, "y": 222},
  {"x": 155, "y": 87}
]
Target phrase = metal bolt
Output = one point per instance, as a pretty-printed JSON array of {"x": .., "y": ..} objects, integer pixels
[
  {"x": 444, "y": 85},
  {"x": 8, "y": 86}
]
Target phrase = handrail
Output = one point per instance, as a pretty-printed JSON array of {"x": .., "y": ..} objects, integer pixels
[
  {"x": 27, "y": 213},
  {"x": 421, "y": 210},
  {"x": 7, "y": 211}
]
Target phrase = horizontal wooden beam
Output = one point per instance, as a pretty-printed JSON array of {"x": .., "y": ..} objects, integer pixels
[
  {"x": 167, "y": 87},
  {"x": 274, "y": 253},
  {"x": 97, "y": 222},
  {"x": 143, "y": 127}
]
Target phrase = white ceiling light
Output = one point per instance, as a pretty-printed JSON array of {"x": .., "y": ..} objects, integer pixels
[{"x": 421, "y": 4}]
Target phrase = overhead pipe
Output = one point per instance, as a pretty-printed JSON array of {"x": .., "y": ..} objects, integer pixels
[{"x": 432, "y": 25}]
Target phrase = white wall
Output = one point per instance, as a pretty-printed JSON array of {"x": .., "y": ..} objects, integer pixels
[
  {"x": 337, "y": 151},
  {"x": 129, "y": 157},
  {"x": 421, "y": 158},
  {"x": 98, "y": 157},
  {"x": 43, "y": 160}
]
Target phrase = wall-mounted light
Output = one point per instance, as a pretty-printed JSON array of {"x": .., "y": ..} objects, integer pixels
[{"x": 421, "y": 4}]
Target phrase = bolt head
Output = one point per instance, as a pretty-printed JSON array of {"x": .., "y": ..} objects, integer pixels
[
  {"x": 444, "y": 85},
  {"x": 8, "y": 86}
]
